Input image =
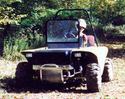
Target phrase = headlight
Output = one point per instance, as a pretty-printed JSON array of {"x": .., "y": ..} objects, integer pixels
[
  {"x": 29, "y": 55},
  {"x": 77, "y": 55},
  {"x": 66, "y": 52}
]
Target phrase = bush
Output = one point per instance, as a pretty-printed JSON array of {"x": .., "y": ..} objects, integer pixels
[
  {"x": 114, "y": 30},
  {"x": 29, "y": 36},
  {"x": 14, "y": 44}
]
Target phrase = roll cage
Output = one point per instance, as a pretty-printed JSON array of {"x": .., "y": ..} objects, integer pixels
[{"x": 71, "y": 15}]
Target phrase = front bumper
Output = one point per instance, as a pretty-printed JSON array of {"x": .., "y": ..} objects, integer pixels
[{"x": 54, "y": 73}]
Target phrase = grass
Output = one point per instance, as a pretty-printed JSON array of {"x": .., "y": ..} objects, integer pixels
[{"x": 13, "y": 45}]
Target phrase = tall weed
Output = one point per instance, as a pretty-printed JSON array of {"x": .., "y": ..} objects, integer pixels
[{"x": 14, "y": 45}]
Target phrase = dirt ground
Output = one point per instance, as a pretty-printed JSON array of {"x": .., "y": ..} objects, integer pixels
[{"x": 111, "y": 90}]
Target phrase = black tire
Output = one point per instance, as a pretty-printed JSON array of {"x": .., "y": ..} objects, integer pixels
[
  {"x": 93, "y": 77},
  {"x": 24, "y": 74},
  {"x": 108, "y": 71}
]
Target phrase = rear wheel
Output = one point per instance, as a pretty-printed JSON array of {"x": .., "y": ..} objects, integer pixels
[
  {"x": 24, "y": 73},
  {"x": 93, "y": 77},
  {"x": 108, "y": 71}
]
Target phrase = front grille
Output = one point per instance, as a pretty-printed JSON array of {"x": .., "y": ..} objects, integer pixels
[{"x": 60, "y": 58}]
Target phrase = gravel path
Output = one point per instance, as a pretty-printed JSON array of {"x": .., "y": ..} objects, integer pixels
[{"x": 111, "y": 90}]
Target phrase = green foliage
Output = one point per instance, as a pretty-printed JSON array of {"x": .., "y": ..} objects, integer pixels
[
  {"x": 83, "y": 3},
  {"x": 13, "y": 48},
  {"x": 28, "y": 36},
  {"x": 10, "y": 1},
  {"x": 37, "y": 16},
  {"x": 31, "y": 16},
  {"x": 114, "y": 30},
  {"x": 106, "y": 10},
  {"x": 15, "y": 44},
  {"x": 27, "y": 22}
]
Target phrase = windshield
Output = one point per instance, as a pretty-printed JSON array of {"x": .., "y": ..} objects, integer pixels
[{"x": 62, "y": 31}]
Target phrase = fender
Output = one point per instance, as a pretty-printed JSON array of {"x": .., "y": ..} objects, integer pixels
[{"x": 100, "y": 53}]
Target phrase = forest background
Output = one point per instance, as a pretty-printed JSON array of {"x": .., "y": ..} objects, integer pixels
[{"x": 22, "y": 21}]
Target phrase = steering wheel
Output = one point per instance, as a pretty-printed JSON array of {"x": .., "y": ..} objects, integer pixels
[{"x": 69, "y": 35}]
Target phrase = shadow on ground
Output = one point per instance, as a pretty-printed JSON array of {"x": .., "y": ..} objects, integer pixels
[
  {"x": 118, "y": 53},
  {"x": 115, "y": 38},
  {"x": 9, "y": 85}
]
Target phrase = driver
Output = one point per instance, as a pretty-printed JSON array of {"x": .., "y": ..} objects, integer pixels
[{"x": 85, "y": 40}]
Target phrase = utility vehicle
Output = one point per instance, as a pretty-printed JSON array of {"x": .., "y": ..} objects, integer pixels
[{"x": 63, "y": 60}]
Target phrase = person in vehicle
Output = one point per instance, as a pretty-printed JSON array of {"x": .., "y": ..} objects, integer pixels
[{"x": 85, "y": 40}]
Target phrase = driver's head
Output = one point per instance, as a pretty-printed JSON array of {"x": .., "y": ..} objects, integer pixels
[{"x": 82, "y": 23}]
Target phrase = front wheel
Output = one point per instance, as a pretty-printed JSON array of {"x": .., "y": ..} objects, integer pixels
[
  {"x": 93, "y": 77},
  {"x": 23, "y": 74}
]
